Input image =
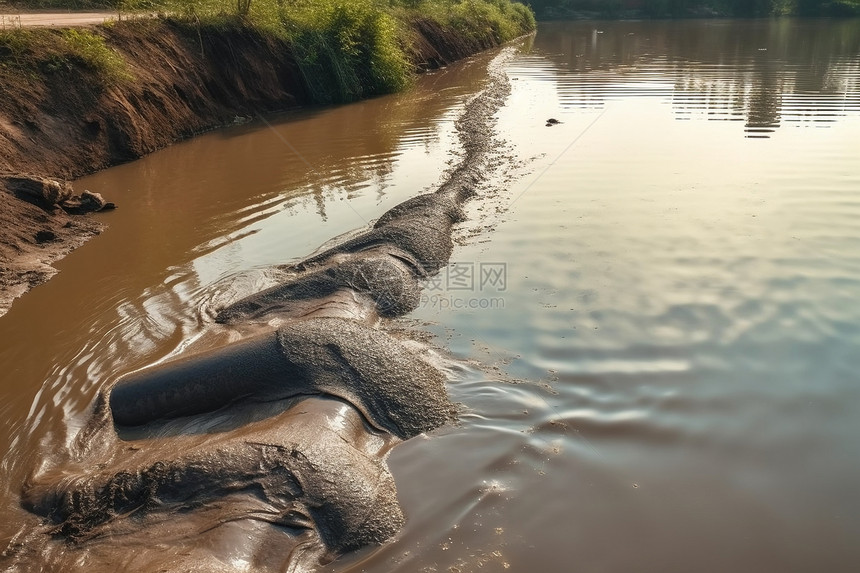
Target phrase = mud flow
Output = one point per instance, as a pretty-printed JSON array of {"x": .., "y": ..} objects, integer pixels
[{"x": 269, "y": 450}]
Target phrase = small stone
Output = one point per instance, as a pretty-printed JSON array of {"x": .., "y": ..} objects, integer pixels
[
  {"x": 54, "y": 192},
  {"x": 92, "y": 201},
  {"x": 48, "y": 192}
]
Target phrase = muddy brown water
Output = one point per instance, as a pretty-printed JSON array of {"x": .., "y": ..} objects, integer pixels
[{"x": 652, "y": 321}]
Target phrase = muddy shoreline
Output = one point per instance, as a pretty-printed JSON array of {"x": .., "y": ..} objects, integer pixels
[
  {"x": 64, "y": 123},
  {"x": 283, "y": 436}
]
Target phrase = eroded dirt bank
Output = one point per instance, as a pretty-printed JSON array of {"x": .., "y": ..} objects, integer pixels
[
  {"x": 267, "y": 454},
  {"x": 61, "y": 120}
]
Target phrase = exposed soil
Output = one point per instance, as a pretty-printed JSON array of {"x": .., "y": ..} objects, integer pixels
[{"x": 62, "y": 121}]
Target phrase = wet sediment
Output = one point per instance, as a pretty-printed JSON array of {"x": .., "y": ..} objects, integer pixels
[{"x": 284, "y": 434}]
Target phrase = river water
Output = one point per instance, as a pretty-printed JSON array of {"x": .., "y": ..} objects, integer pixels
[{"x": 651, "y": 319}]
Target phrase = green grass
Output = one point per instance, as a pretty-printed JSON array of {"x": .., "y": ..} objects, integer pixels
[
  {"x": 345, "y": 49},
  {"x": 35, "y": 52},
  {"x": 91, "y": 51},
  {"x": 350, "y": 49},
  {"x": 498, "y": 20}
]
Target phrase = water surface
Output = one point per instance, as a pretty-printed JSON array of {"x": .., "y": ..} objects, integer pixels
[{"x": 652, "y": 322}]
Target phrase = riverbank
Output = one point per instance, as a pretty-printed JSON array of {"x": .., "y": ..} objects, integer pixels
[{"x": 75, "y": 102}]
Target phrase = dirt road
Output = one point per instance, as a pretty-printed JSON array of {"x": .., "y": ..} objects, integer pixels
[{"x": 12, "y": 19}]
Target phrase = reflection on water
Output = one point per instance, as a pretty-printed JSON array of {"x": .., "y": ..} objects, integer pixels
[
  {"x": 671, "y": 381},
  {"x": 666, "y": 379},
  {"x": 764, "y": 73}
]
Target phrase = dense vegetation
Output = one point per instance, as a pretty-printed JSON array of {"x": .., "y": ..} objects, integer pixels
[
  {"x": 693, "y": 8},
  {"x": 345, "y": 49}
]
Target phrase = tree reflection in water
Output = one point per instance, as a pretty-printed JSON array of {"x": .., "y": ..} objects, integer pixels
[{"x": 764, "y": 73}]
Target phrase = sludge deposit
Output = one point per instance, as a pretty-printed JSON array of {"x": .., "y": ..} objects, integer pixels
[{"x": 270, "y": 452}]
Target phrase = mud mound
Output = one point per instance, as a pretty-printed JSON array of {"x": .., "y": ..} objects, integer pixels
[
  {"x": 386, "y": 274},
  {"x": 395, "y": 390},
  {"x": 313, "y": 472},
  {"x": 333, "y": 395}
]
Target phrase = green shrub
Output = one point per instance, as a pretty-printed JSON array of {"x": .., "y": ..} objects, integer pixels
[
  {"x": 489, "y": 20},
  {"x": 346, "y": 49}
]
